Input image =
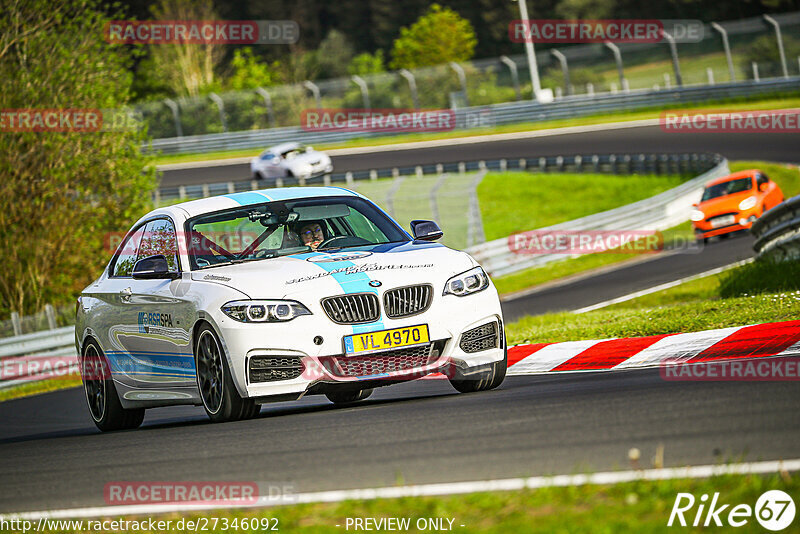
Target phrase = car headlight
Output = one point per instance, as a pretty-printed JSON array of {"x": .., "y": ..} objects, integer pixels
[
  {"x": 264, "y": 311},
  {"x": 697, "y": 215},
  {"x": 467, "y": 283},
  {"x": 748, "y": 203}
]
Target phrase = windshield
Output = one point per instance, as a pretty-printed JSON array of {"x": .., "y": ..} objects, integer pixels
[
  {"x": 275, "y": 229},
  {"x": 727, "y": 188}
]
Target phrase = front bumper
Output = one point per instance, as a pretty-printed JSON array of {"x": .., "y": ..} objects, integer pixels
[
  {"x": 743, "y": 220},
  {"x": 315, "y": 343}
]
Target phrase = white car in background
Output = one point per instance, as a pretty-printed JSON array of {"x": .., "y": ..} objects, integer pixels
[
  {"x": 218, "y": 302},
  {"x": 290, "y": 160}
]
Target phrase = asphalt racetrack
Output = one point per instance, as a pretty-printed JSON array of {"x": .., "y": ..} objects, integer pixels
[{"x": 52, "y": 457}]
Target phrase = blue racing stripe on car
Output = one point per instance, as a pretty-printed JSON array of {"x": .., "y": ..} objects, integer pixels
[
  {"x": 249, "y": 197},
  {"x": 350, "y": 283}
]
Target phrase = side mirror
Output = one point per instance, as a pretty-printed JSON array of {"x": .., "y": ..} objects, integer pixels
[
  {"x": 426, "y": 230},
  {"x": 153, "y": 267},
  {"x": 763, "y": 187}
]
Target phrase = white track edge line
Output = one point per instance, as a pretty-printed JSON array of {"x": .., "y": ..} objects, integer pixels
[
  {"x": 661, "y": 287},
  {"x": 428, "y": 490}
]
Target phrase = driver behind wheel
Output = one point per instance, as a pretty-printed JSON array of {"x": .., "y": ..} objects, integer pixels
[{"x": 312, "y": 234}]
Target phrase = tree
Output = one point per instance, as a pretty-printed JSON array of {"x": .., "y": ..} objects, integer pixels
[
  {"x": 249, "y": 72},
  {"x": 188, "y": 69},
  {"x": 439, "y": 36},
  {"x": 367, "y": 63},
  {"x": 61, "y": 193}
]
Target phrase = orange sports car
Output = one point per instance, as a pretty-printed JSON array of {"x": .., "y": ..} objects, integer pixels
[{"x": 733, "y": 203}]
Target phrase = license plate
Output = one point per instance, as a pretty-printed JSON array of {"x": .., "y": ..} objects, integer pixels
[
  {"x": 723, "y": 221},
  {"x": 386, "y": 339}
]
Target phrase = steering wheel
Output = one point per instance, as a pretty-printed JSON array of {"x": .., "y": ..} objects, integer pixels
[
  {"x": 330, "y": 240},
  {"x": 349, "y": 240}
]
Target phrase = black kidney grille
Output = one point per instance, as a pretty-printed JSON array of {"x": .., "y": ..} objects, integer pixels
[
  {"x": 481, "y": 338},
  {"x": 407, "y": 301},
  {"x": 352, "y": 309},
  {"x": 273, "y": 368}
]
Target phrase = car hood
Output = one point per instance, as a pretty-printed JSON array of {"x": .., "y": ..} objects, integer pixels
[
  {"x": 315, "y": 275},
  {"x": 726, "y": 204}
]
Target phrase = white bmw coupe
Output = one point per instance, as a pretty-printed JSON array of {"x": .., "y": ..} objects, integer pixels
[
  {"x": 290, "y": 160},
  {"x": 233, "y": 301}
]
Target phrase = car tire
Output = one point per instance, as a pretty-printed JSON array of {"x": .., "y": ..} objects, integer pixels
[
  {"x": 347, "y": 397},
  {"x": 102, "y": 398},
  {"x": 214, "y": 381},
  {"x": 258, "y": 176},
  {"x": 490, "y": 380}
]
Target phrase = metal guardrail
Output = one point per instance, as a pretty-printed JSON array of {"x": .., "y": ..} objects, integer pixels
[
  {"x": 495, "y": 114},
  {"x": 659, "y": 212},
  {"x": 37, "y": 356},
  {"x": 777, "y": 232}
]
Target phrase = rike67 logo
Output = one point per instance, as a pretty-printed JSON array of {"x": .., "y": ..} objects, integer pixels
[{"x": 774, "y": 510}]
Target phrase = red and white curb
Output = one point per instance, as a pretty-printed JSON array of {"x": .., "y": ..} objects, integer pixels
[{"x": 738, "y": 342}]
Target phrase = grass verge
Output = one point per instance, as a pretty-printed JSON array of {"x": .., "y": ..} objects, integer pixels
[
  {"x": 35, "y": 388},
  {"x": 641, "y": 506},
  {"x": 733, "y": 298},
  {"x": 760, "y": 103},
  {"x": 787, "y": 177}
]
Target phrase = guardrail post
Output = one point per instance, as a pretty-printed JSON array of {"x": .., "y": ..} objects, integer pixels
[
  {"x": 254, "y": 185},
  {"x": 562, "y": 59},
  {"x": 618, "y": 59},
  {"x": 462, "y": 79},
  {"x": 578, "y": 163},
  {"x": 311, "y": 86},
  {"x": 221, "y": 106},
  {"x": 667, "y": 81},
  {"x": 326, "y": 180},
  {"x": 412, "y": 85},
  {"x": 231, "y": 188},
  {"x": 348, "y": 178},
  {"x": 395, "y": 172},
  {"x": 16, "y": 324},
  {"x": 559, "y": 92},
  {"x": 278, "y": 182},
  {"x": 157, "y": 197},
  {"x": 462, "y": 167},
  {"x": 673, "y": 50},
  {"x": 206, "y": 192},
  {"x": 373, "y": 174},
  {"x": 523, "y": 164},
  {"x": 268, "y": 104},
  {"x": 182, "y": 192},
  {"x": 710, "y": 75},
  {"x": 612, "y": 161},
  {"x": 418, "y": 171},
  {"x": 543, "y": 164},
  {"x": 596, "y": 163},
  {"x": 727, "y": 47},
  {"x": 512, "y": 67},
  {"x": 362, "y": 85},
  {"x": 503, "y": 165},
  {"x": 560, "y": 163},
  {"x": 439, "y": 169},
  {"x": 51, "y": 316},
  {"x": 301, "y": 181},
  {"x": 590, "y": 89},
  {"x": 176, "y": 115},
  {"x": 755, "y": 71},
  {"x": 781, "y": 52}
]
